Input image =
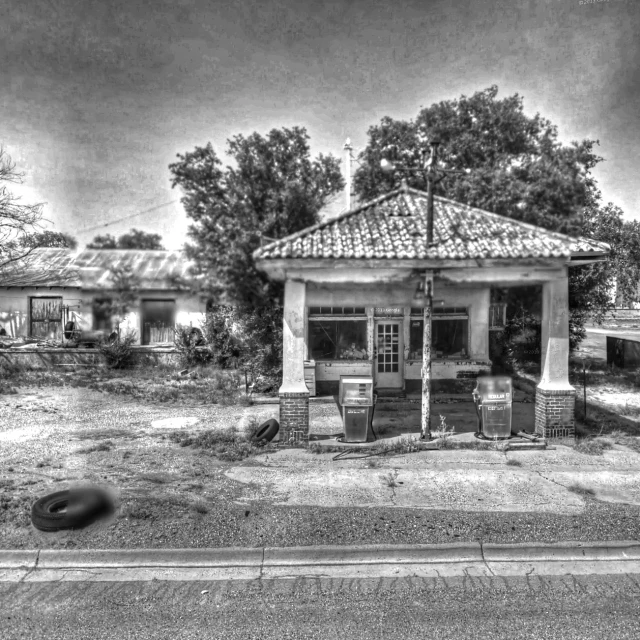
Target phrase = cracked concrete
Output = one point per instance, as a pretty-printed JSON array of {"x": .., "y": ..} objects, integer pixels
[{"x": 544, "y": 482}]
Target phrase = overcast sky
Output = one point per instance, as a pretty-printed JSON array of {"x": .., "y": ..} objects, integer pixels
[{"x": 97, "y": 96}]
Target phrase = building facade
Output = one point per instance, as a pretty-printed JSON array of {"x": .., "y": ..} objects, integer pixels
[
  {"x": 59, "y": 286},
  {"x": 354, "y": 299}
]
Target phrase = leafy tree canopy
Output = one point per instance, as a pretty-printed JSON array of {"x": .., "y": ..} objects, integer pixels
[
  {"x": 135, "y": 239},
  {"x": 518, "y": 167},
  {"x": 274, "y": 188},
  {"x": 50, "y": 239}
]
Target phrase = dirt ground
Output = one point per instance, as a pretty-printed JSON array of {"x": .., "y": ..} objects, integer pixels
[{"x": 167, "y": 495}]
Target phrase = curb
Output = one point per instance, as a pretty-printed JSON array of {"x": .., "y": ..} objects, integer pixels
[{"x": 361, "y": 561}]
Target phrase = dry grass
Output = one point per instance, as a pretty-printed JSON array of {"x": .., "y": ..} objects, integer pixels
[
  {"x": 229, "y": 444},
  {"x": 592, "y": 446},
  {"x": 105, "y": 433},
  {"x": 390, "y": 479},
  {"x": 581, "y": 491},
  {"x": 107, "y": 445}
]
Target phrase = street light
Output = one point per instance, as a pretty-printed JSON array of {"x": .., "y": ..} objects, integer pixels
[{"x": 430, "y": 168}]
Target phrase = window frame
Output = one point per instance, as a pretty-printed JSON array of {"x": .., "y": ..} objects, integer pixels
[
  {"x": 444, "y": 313},
  {"x": 337, "y": 317},
  {"x": 142, "y": 317}
]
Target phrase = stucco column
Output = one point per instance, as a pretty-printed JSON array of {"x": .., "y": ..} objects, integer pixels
[
  {"x": 294, "y": 394},
  {"x": 555, "y": 397}
]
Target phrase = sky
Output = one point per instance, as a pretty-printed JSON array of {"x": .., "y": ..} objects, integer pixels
[{"x": 98, "y": 96}]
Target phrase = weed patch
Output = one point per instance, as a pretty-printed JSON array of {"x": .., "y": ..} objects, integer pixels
[
  {"x": 512, "y": 462},
  {"x": 592, "y": 446},
  {"x": 107, "y": 445},
  {"x": 228, "y": 445},
  {"x": 581, "y": 491},
  {"x": 390, "y": 479},
  {"x": 200, "y": 506}
]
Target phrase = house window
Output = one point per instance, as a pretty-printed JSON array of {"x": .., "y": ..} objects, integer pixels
[
  {"x": 46, "y": 317},
  {"x": 449, "y": 333},
  {"x": 158, "y": 321},
  {"x": 102, "y": 318}
]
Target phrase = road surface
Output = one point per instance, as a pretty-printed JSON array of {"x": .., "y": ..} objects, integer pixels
[{"x": 536, "y": 607}]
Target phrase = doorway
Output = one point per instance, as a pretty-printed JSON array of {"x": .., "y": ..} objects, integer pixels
[{"x": 389, "y": 363}]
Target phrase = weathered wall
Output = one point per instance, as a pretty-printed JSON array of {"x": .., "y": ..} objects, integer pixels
[
  {"x": 476, "y": 299},
  {"x": 14, "y": 308}
]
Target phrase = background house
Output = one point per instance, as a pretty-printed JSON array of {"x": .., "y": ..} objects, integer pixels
[{"x": 56, "y": 286}]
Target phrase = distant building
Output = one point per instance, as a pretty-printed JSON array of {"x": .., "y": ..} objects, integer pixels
[{"x": 58, "y": 286}]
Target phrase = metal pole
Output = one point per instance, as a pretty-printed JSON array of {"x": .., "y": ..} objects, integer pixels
[
  {"x": 584, "y": 386},
  {"x": 428, "y": 303},
  {"x": 426, "y": 357}
]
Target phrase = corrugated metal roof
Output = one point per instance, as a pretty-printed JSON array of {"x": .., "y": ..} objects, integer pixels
[
  {"x": 91, "y": 268},
  {"x": 394, "y": 227}
]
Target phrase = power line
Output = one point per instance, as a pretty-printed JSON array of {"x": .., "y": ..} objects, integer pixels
[{"x": 133, "y": 215}]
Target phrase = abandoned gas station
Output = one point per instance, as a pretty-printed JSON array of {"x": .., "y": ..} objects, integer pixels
[{"x": 355, "y": 301}]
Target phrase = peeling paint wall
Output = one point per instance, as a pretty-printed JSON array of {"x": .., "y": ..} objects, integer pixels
[{"x": 78, "y": 305}]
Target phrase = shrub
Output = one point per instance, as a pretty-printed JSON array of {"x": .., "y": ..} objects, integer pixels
[
  {"x": 190, "y": 345},
  {"x": 119, "y": 352}
]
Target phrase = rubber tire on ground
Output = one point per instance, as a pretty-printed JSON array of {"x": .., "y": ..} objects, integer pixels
[
  {"x": 84, "y": 505},
  {"x": 267, "y": 431}
]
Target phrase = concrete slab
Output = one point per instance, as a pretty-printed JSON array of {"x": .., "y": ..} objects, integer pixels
[{"x": 448, "y": 489}]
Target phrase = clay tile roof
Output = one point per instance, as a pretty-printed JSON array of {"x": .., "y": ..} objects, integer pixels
[{"x": 393, "y": 226}]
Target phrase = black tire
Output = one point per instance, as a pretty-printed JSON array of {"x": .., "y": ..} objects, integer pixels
[
  {"x": 266, "y": 431},
  {"x": 70, "y": 509},
  {"x": 69, "y": 329}
]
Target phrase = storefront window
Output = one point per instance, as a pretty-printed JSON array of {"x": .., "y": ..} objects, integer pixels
[
  {"x": 338, "y": 339},
  {"x": 449, "y": 338}
]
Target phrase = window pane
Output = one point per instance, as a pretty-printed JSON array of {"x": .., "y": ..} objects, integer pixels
[
  {"x": 338, "y": 340},
  {"x": 449, "y": 338},
  {"x": 102, "y": 314}
]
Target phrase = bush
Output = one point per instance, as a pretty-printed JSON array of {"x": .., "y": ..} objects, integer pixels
[
  {"x": 119, "y": 352},
  {"x": 520, "y": 342},
  {"x": 190, "y": 345},
  {"x": 220, "y": 330}
]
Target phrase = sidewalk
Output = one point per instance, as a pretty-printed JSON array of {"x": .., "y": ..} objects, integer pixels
[{"x": 362, "y": 561}]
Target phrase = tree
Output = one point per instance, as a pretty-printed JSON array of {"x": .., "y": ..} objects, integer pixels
[
  {"x": 106, "y": 241},
  {"x": 274, "y": 189},
  {"x": 20, "y": 227},
  {"x": 135, "y": 239},
  {"x": 51, "y": 239},
  {"x": 518, "y": 168}
]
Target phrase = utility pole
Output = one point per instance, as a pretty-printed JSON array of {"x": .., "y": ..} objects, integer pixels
[
  {"x": 434, "y": 175},
  {"x": 348, "y": 148},
  {"x": 428, "y": 300}
]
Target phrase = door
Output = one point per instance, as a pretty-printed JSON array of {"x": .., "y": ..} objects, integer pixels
[
  {"x": 158, "y": 321},
  {"x": 46, "y": 318},
  {"x": 389, "y": 351}
]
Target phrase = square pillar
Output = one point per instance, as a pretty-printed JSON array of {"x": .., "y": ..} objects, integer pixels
[
  {"x": 294, "y": 393},
  {"x": 555, "y": 397}
]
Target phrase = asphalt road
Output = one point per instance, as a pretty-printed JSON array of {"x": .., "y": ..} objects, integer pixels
[{"x": 567, "y": 607}]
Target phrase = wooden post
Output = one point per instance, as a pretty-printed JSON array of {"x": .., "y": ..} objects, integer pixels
[{"x": 426, "y": 357}]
